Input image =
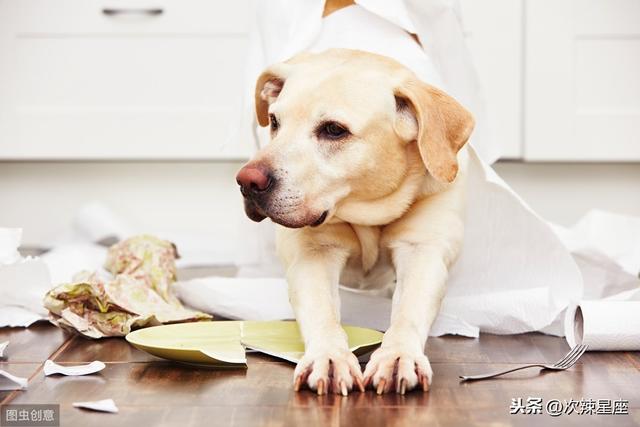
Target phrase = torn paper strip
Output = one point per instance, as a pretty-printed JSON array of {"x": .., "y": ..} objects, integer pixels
[
  {"x": 23, "y": 282},
  {"x": 106, "y": 405},
  {"x": 18, "y": 317},
  {"x": 11, "y": 382},
  {"x": 9, "y": 242},
  {"x": 3, "y": 347},
  {"x": 50, "y": 368}
]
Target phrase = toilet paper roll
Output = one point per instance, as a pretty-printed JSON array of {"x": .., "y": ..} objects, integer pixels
[{"x": 604, "y": 325}]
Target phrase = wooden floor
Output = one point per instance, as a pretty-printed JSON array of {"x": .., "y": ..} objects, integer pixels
[{"x": 152, "y": 392}]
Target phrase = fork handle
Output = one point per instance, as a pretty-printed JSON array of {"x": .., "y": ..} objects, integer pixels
[{"x": 497, "y": 374}]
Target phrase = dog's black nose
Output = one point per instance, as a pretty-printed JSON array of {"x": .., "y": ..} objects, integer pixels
[{"x": 253, "y": 180}]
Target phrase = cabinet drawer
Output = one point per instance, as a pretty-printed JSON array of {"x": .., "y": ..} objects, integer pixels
[
  {"x": 124, "y": 17},
  {"x": 128, "y": 87}
]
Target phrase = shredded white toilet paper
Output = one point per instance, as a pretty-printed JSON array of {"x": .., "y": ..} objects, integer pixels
[
  {"x": 51, "y": 368},
  {"x": 23, "y": 283},
  {"x": 105, "y": 405},
  {"x": 520, "y": 300},
  {"x": 12, "y": 382},
  {"x": 3, "y": 347}
]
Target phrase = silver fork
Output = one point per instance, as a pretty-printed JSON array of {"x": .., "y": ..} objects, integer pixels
[{"x": 565, "y": 363}]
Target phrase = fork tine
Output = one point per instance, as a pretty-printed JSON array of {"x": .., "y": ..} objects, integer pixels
[
  {"x": 577, "y": 357},
  {"x": 560, "y": 363},
  {"x": 567, "y": 356},
  {"x": 578, "y": 349},
  {"x": 577, "y": 353},
  {"x": 571, "y": 361}
]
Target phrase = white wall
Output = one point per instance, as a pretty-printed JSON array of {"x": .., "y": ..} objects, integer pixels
[
  {"x": 203, "y": 197},
  {"x": 563, "y": 192},
  {"x": 43, "y": 197}
]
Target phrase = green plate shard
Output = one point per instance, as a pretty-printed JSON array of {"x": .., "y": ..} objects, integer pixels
[{"x": 223, "y": 343}]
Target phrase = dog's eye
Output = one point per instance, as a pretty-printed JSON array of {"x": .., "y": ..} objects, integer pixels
[
  {"x": 332, "y": 130},
  {"x": 274, "y": 123}
]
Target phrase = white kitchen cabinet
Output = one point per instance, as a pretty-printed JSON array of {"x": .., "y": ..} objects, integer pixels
[
  {"x": 83, "y": 79},
  {"x": 582, "y": 80},
  {"x": 133, "y": 79}
]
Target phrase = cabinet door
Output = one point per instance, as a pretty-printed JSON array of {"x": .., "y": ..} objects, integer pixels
[
  {"x": 115, "y": 79},
  {"x": 582, "y": 80}
]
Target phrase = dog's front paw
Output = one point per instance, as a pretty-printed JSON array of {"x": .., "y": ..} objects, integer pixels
[
  {"x": 396, "y": 368},
  {"x": 329, "y": 371}
]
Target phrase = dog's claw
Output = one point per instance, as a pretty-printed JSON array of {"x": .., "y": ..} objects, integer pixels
[
  {"x": 402, "y": 386},
  {"x": 397, "y": 369},
  {"x": 335, "y": 372},
  {"x": 301, "y": 379},
  {"x": 343, "y": 388},
  {"x": 367, "y": 381}
]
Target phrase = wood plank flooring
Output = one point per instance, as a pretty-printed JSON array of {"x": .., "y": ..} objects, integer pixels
[{"x": 153, "y": 392}]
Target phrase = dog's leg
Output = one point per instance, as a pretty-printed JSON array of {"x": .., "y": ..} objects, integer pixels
[
  {"x": 313, "y": 272},
  {"x": 424, "y": 244}
]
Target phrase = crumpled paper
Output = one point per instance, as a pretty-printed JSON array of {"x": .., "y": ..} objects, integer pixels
[
  {"x": 147, "y": 259},
  {"x": 137, "y": 293}
]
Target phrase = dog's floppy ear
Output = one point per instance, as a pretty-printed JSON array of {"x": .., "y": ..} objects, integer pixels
[
  {"x": 443, "y": 125},
  {"x": 268, "y": 87}
]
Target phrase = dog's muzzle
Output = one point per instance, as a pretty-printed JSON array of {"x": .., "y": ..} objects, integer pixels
[{"x": 258, "y": 185}]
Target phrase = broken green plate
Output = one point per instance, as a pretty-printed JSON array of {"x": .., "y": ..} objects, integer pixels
[{"x": 223, "y": 343}]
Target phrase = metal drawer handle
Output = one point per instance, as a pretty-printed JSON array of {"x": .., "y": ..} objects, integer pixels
[{"x": 148, "y": 12}]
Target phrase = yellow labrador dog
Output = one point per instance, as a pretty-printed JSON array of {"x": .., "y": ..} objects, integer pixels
[{"x": 365, "y": 176}]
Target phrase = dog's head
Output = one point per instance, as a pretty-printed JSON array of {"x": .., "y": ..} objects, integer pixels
[{"x": 342, "y": 123}]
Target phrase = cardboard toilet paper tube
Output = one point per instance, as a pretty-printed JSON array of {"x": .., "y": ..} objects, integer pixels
[{"x": 604, "y": 325}]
